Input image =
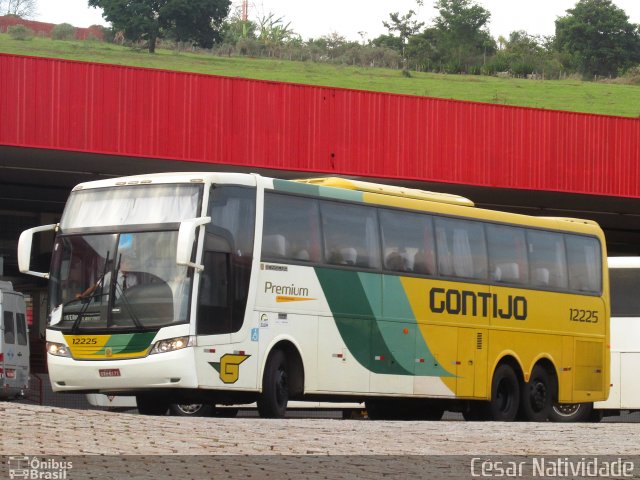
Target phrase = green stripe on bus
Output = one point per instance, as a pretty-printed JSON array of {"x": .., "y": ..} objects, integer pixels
[
  {"x": 386, "y": 343},
  {"x": 317, "y": 190},
  {"x": 128, "y": 342},
  {"x": 139, "y": 342},
  {"x": 350, "y": 295},
  {"x": 397, "y": 308}
]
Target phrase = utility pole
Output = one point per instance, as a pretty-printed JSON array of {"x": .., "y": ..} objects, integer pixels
[{"x": 245, "y": 15}]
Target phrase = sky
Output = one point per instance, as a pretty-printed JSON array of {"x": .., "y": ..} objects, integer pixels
[{"x": 359, "y": 19}]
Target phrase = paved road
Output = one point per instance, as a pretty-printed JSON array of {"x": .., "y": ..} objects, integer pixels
[{"x": 35, "y": 430}]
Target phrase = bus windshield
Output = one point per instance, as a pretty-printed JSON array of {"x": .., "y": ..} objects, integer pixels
[
  {"x": 118, "y": 281},
  {"x": 130, "y": 205}
]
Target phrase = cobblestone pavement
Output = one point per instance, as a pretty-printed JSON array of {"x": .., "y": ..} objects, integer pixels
[{"x": 36, "y": 430}]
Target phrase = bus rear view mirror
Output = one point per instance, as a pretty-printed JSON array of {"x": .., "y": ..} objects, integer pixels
[
  {"x": 24, "y": 249},
  {"x": 186, "y": 237}
]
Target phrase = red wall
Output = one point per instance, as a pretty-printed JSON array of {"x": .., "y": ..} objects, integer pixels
[{"x": 57, "y": 104}]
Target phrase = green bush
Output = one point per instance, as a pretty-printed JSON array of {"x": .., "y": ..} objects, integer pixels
[
  {"x": 631, "y": 76},
  {"x": 64, "y": 31},
  {"x": 20, "y": 32}
]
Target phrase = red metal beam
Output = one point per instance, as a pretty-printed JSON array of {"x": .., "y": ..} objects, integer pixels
[{"x": 67, "y": 105}]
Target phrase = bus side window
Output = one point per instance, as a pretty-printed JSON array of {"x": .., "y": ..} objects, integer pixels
[
  {"x": 547, "y": 259},
  {"x": 291, "y": 228},
  {"x": 508, "y": 261},
  {"x": 625, "y": 301},
  {"x": 583, "y": 256},
  {"x": 407, "y": 242},
  {"x": 351, "y": 235},
  {"x": 461, "y": 248}
]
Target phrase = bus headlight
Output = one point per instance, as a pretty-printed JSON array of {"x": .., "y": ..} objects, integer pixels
[
  {"x": 172, "y": 344},
  {"x": 58, "y": 349}
]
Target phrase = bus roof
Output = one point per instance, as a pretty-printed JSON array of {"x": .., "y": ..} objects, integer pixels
[
  {"x": 582, "y": 221},
  {"x": 358, "y": 191},
  {"x": 392, "y": 190},
  {"x": 171, "y": 177}
]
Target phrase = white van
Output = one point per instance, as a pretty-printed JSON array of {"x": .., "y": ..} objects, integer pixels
[
  {"x": 14, "y": 343},
  {"x": 624, "y": 395}
]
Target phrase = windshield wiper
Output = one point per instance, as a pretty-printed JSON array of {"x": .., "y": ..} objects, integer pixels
[
  {"x": 76, "y": 322},
  {"x": 99, "y": 284},
  {"x": 129, "y": 308},
  {"x": 118, "y": 292}
]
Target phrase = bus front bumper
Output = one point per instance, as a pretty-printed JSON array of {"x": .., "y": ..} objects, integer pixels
[{"x": 163, "y": 370}]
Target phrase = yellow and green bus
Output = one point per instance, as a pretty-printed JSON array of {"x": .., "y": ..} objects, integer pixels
[{"x": 223, "y": 289}]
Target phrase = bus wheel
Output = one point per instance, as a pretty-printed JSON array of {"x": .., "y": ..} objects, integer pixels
[
  {"x": 272, "y": 403},
  {"x": 536, "y": 395},
  {"x": 191, "y": 409},
  {"x": 152, "y": 405},
  {"x": 570, "y": 412},
  {"x": 505, "y": 394}
]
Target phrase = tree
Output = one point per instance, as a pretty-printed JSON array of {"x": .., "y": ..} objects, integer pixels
[
  {"x": 235, "y": 28},
  {"x": 423, "y": 50},
  {"x": 388, "y": 41},
  {"x": 273, "y": 31},
  {"x": 20, "y": 8},
  {"x": 198, "y": 21},
  {"x": 462, "y": 25},
  {"x": 524, "y": 53},
  {"x": 599, "y": 37},
  {"x": 405, "y": 26}
]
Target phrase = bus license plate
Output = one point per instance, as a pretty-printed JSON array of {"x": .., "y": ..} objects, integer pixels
[{"x": 109, "y": 372}]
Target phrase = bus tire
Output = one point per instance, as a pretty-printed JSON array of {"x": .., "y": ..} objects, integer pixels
[
  {"x": 152, "y": 405},
  {"x": 191, "y": 409},
  {"x": 536, "y": 396},
  {"x": 505, "y": 394},
  {"x": 571, "y": 412},
  {"x": 272, "y": 402}
]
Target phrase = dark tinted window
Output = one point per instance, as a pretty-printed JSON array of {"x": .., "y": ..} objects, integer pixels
[
  {"x": 351, "y": 235},
  {"x": 583, "y": 255},
  {"x": 21, "y": 327},
  {"x": 291, "y": 229},
  {"x": 507, "y": 254},
  {"x": 547, "y": 259},
  {"x": 9, "y": 328},
  {"x": 461, "y": 248},
  {"x": 407, "y": 242},
  {"x": 228, "y": 251},
  {"x": 625, "y": 292}
]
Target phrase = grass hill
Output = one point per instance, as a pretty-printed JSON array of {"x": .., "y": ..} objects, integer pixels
[{"x": 570, "y": 95}]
